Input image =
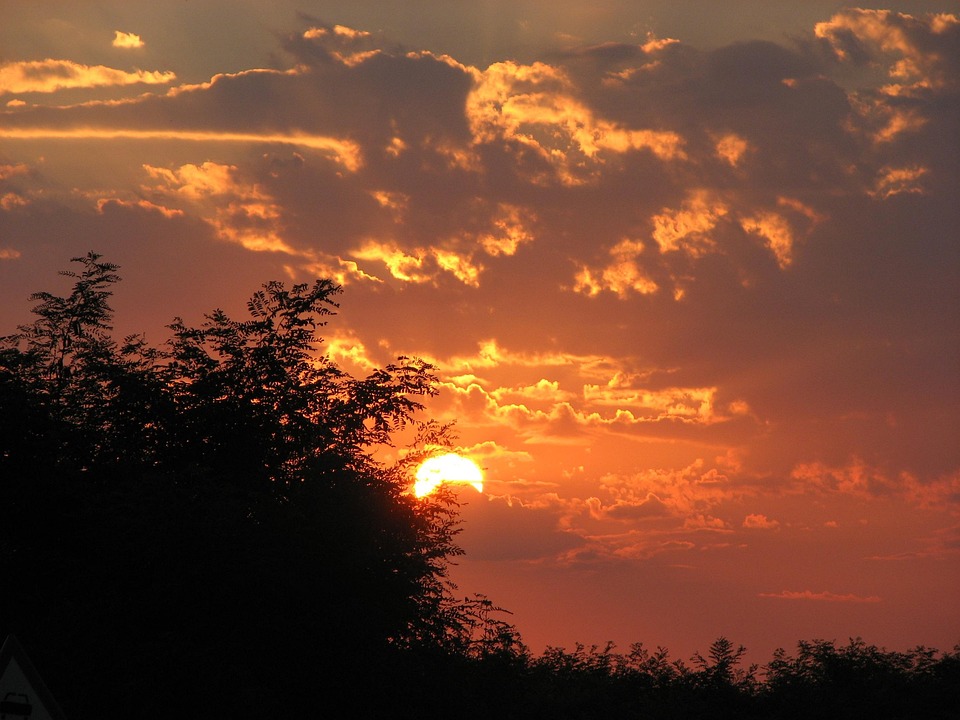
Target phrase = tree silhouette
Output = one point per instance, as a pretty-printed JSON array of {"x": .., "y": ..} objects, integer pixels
[{"x": 209, "y": 515}]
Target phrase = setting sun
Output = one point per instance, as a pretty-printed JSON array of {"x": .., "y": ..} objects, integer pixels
[{"x": 448, "y": 468}]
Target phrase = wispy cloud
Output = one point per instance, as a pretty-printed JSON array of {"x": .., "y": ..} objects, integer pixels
[
  {"x": 50, "y": 75},
  {"x": 824, "y": 596},
  {"x": 344, "y": 151}
]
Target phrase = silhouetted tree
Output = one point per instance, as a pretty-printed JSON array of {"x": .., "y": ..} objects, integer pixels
[
  {"x": 205, "y": 524},
  {"x": 862, "y": 681}
]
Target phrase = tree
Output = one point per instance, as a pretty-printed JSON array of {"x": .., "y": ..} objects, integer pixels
[{"x": 210, "y": 515}]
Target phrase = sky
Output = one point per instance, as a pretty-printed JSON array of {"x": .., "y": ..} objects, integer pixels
[{"x": 688, "y": 271}]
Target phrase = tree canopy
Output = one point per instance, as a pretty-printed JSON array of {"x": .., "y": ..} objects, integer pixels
[{"x": 209, "y": 513}]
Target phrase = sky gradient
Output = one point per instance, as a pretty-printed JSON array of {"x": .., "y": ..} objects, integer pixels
[{"x": 688, "y": 271}]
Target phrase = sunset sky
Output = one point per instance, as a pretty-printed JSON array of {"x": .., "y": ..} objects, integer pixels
[{"x": 688, "y": 270}]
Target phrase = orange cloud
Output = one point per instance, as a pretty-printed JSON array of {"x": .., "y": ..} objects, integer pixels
[
  {"x": 126, "y": 40},
  {"x": 338, "y": 30},
  {"x": 894, "y": 181},
  {"x": 344, "y": 151},
  {"x": 11, "y": 200},
  {"x": 824, "y": 596},
  {"x": 543, "y": 389},
  {"x": 861, "y": 479},
  {"x": 343, "y": 43},
  {"x": 731, "y": 148},
  {"x": 460, "y": 265},
  {"x": 687, "y": 403},
  {"x": 705, "y": 522},
  {"x": 399, "y": 263},
  {"x": 621, "y": 276},
  {"x": 414, "y": 267},
  {"x": 103, "y": 203},
  {"x": 46, "y": 76},
  {"x": 757, "y": 521},
  {"x": 490, "y": 354},
  {"x": 776, "y": 233},
  {"x": 688, "y": 228},
  {"x": 510, "y": 230},
  {"x": 910, "y": 45},
  {"x": 9, "y": 171},
  {"x": 316, "y": 264},
  {"x": 688, "y": 492},
  {"x": 239, "y": 211},
  {"x": 535, "y": 105}
]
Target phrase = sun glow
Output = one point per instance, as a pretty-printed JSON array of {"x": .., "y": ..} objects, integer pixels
[{"x": 448, "y": 468}]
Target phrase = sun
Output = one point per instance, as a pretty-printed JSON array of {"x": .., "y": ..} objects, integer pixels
[{"x": 448, "y": 468}]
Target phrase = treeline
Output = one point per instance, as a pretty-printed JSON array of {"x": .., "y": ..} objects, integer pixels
[
  {"x": 821, "y": 680},
  {"x": 201, "y": 529}
]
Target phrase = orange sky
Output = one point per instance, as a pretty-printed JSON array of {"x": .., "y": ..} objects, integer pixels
[{"x": 689, "y": 276}]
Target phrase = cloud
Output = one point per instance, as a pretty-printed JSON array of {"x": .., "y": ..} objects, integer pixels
[
  {"x": 239, "y": 211},
  {"x": 12, "y": 170},
  {"x": 50, "y": 75},
  {"x": 731, "y": 148},
  {"x": 918, "y": 52},
  {"x": 505, "y": 530},
  {"x": 893, "y": 181},
  {"x": 688, "y": 228},
  {"x": 650, "y": 506},
  {"x": 622, "y": 275},
  {"x": 126, "y": 40},
  {"x": 691, "y": 491},
  {"x": 758, "y": 521},
  {"x": 537, "y": 107},
  {"x": 825, "y": 596},
  {"x": 342, "y": 151}
]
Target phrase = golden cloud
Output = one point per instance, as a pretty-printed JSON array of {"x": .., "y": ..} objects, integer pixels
[
  {"x": 622, "y": 275},
  {"x": 731, "y": 148},
  {"x": 239, "y": 212},
  {"x": 104, "y": 202},
  {"x": 510, "y": 230},
  {"x": 317, "y": 264},
  {"x": 911, "y": 46},
  {"x": 414, "y": 268},
  {"x": 126, "y": 40},
  {"x": 490, "y": 354},
  {"x": 776, "y": 233},
  {"x": 688, "y": 228},
  {"x": 535, "y": 105},
  {"x": 460, "y": 265},
  {"x": 543, "y": 390},
  {"x": 400, "y": 265},
  {"x": 696, "y": 404},
  {"x": 47, "y": 76},
  {"x": 345, "y": 152}
]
